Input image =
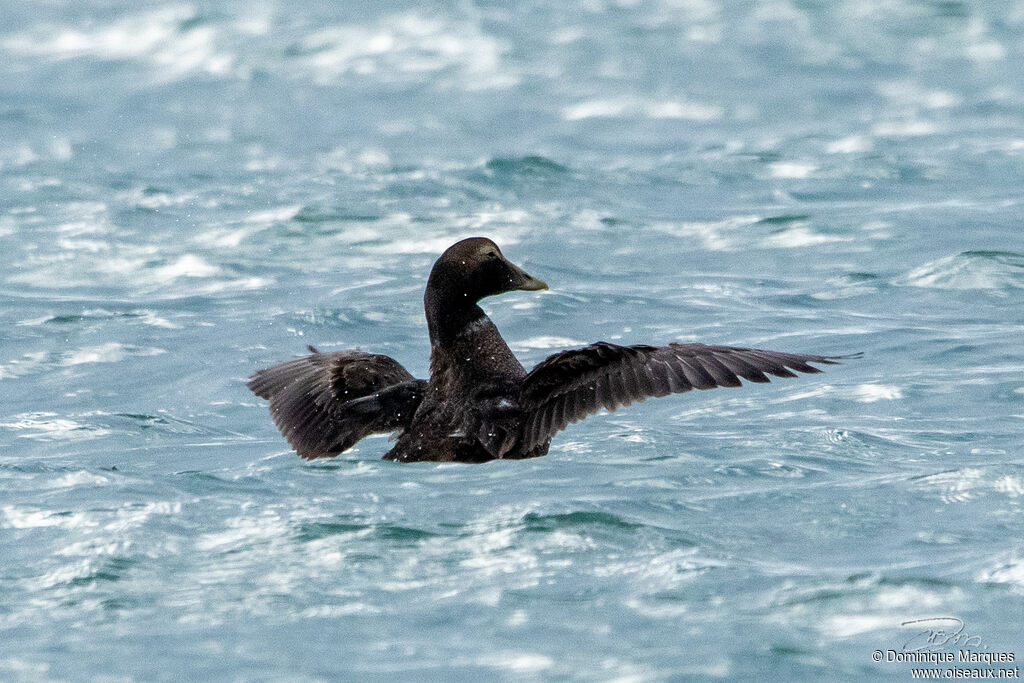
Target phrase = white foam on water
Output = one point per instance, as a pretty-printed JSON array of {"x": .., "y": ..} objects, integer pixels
[
  {"x": 520, "y": 662},
  {"x": 884, "y": 610},
  {"x": 635, "y": 107},
  {"x": 1011, "y": 486},
  {"x": 980, "y": 46},
  {"x": 268, "y": 217},
  {"x": 801, "y": 235},
  {"x": 870, "y": 393},
  {"x": 110, "y": 352},
  {"x": 75, "y": 479},
  {"x": 904, "y": 128},
  {"x": 348, "y": 609},
  {"x": 968, "y": 270},
  {"x": 153, "y": 320},
  {"x": 186, "y": 265},
  {"x": 661, "y": 571},
  {"x": 17, "y": 665},
  {"x": 725, "y": 235},
  {"x": 151, "y": 199},
  {"x": 911, "y": 94},
  {"x": 404, "y": 48},
  {"x": 27, "y": 363},
  {"x": 355, "y": 162},
  {"x": 956, "y": 487},
  {"x": 847, "y": 625},
  {"x": 1009, "y": 571},
  {"x": 852, "y": 144},
  {"x": 792, "y": 169},
  {"x": 63, "y": 574},
  {"x": 132, "y": 515},
  {"x": 46, "y": 426},
  {"x": 21, "y": 517},
  {"x": 95, "y": 547},
  {"x": 160, "y": 37},
  {"x": 544, "y": 342},
  {"x": 241, "y": 533}
]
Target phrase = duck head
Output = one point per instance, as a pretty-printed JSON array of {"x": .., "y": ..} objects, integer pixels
[
  {"x": 475, "y": 268},
  {"x": 467, "y": 272}
]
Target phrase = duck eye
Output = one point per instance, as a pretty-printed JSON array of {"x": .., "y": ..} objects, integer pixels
[{"x": 492, "y": 254}]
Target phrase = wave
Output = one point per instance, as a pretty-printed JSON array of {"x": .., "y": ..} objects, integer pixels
[{"x": 968, "y": 270}]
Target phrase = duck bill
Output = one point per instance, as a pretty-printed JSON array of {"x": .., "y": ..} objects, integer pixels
[{"x": 520, "y": 279}]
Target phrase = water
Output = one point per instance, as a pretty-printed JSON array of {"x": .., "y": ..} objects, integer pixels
[{"x": 190, "y": 192}]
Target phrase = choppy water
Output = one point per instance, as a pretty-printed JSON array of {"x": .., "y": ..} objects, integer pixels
[{"x": 189, "y": 192}]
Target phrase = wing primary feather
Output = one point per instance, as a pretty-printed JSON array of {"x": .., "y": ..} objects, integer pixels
[
  {"x": 544, "y": 424},
  {"x": 558, "y": 420},
  {"x": 641, "y": 370},
  {"x": 696, "y": 374},
  {"x": 627, "y": 378},
  {"x": 722, "y": 375},
  {"x": 570, "y": 407},
  {"x": 593, "y": 403},
  {"x": 660, "y": 376},
  {"x": 581, "y": 406},
  {"x": 626, "y": 384},
  {"x": 616, "y": 390},
  {"x": 766, "y": 363},
  {"x": 604, "y": 393},
  {"x": 534, "y": 430},
  {"x": 676, "y": 377},
  {"x": 544, "y": 421},
  {"x": 741, "y": 367}
]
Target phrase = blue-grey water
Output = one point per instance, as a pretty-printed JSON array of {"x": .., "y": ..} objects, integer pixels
[{"x": 192, "y": 191}]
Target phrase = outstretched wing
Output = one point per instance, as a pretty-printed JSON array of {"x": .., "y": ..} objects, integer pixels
[
  {"x": 326, "y": 402},
  {"x": 568, "y": 386}
]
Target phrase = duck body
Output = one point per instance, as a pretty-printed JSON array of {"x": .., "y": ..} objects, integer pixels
[
  {"x": 480, "y": 403},
  {"x": 470, "y": 410}
]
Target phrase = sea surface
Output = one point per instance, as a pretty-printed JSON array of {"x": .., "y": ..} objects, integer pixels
[{"x": 190, "y": 192}]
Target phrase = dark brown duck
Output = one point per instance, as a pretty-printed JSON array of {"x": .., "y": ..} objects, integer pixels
[{"x": 480, "y": 404}]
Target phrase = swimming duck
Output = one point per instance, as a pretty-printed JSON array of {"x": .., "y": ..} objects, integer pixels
[{"x": 480, "y": 404}]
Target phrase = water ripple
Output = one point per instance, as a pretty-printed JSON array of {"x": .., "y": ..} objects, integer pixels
[{"x": 983, "y": 270}]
